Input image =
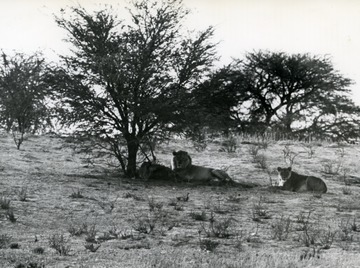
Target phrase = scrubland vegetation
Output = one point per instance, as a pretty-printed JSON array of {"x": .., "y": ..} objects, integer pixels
[
  {"x": 137, "y": 90},
  {"x": 58, "y": 208}
]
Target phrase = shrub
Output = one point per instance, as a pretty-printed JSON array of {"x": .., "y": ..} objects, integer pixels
[
  {"x": 77, "y": 194},
  {"x": 4, "y": 203},
  {"x": 4, "y": 240},
  {"x": 60, "y": 244},
  {"x": 346, "y": 190},
  {"x": 253, "y": 150},
  {"x": 259, "y": 211},
  {"x": 229, "y": 145},
  {"x": 154, "y": 205},
  {"x": 217, "y": 228},
  {"x": 91, "y": 234},
  {"x": 92, "y": 247},
  {"x": 289, "y": 155},
  {"x": 22, "y": 194},
  {"x": 10, "y": 215},
  {"x": 78, "y": 230},
  {"x": 38, "y": 250},
  {"x": 208, "y": 244},
  {"x": 198, "y": 216},
  {"x": 281, "y": 228},
  {"x": 30, "y": 265},
  {"x": 332, "y": 167},
  {"x": 346, "y": 230},
  {"x": 133, "y": 196},
  {"x": 326, "y": 238}
]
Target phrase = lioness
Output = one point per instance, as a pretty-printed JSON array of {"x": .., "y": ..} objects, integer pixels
[
  {"x": 151, "y": 171},
  {"x": 299, "y": 183},
  {"x": 184, "y": 169}
]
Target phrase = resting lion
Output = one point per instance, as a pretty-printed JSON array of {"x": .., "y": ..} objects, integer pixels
[
  {"x": 151, "y": 171},
  {"x": 184, "y": 169},
  {"x": 300, "y": 183}
]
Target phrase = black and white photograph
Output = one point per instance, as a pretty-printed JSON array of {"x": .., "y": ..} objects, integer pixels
[{"x": 179, "y": 133}]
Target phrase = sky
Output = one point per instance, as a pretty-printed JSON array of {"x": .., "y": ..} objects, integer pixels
[{"x": 318, "y": 27}]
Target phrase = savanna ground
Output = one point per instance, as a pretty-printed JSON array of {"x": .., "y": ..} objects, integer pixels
[{"x": 58, "y": 209}]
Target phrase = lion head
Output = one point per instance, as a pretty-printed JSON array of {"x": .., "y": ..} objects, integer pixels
[
  {"x": 285, "y": 173},
  {"x": 181, "y": 160}
]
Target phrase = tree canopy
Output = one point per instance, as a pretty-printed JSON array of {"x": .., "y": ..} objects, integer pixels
[
  {"x": 128, "y": 82},
  {"x": 296, "y": 94},
  {"x": 24, "y": 95}
]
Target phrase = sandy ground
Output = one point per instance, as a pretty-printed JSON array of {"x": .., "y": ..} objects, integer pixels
[{"x": 142, "y": 224}]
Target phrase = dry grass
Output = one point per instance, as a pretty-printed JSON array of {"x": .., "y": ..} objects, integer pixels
[{"x": 144, "y": 225}]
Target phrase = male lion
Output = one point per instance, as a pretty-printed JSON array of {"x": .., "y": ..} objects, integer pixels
[
  {"x": 300, "y": 183},
  {"x": 184, "y": 169},
  {"x": 151, "y": 171}
]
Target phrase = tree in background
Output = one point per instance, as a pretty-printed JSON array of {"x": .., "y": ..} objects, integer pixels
[
  {"x": 295, "y": 94},
  {"x": 129, "y": 83},
  {"x": 24, "y": 95}
]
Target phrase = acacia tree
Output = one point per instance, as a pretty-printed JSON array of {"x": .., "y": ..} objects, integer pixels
[
  {"x": 296, "y": 94},
  {"x": 130, "y": 82},
  {"x": 24, "y": 95}
]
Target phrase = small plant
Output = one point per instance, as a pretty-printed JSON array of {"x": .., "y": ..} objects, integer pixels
[
  {"x": 208, "y": 244},
  {"x": 133, "y": 196},
  {"x": 77, "y": 194},
  {"x": 354, "y": 226},
  {"x": 346, "y": 190},
  {"x": 144, "y": 224},
  {"x": 229, "y": 145},
  {"x": 22, "y": 194},
  {"x": 38, "y": 250},
  {"x": 198, "y": 216},
  {"x": 259, "y": 211},
  {"x": 10, "y": 215},
  {"x": 108, "y": 205},
  {"x": 178, "y": 207},
  {"x": 261, "y": 161},
  {"x": 4, "y": 203},
  {"x": 125, "y": 235},
  {"x": 253, "y": 150},
  {"x": 154, "y": 205},
  {"x": 14, "y": 246},
  {"x": 78, "y": 230},
  {"x": 91, "y": 234},
  {"x": 332, "y": 167},
  {"x": 173, "y": 203},
  {"x": 289, "y": 155},
  {"x": 326, "y": 238},
  {"x": 5, "y": 240},
  {"x": 106, "y": 236},
  {"x": 217, "y": 228},
  {"x": 310, "y": 149},
  {"x": 30, "y": 265},
  {"x": 199, "y": 140},
  {"x": 239, "y": 240},
  {"x": 310, "y": 233},
  {"x": 92, "y": 247},
  {"x": 345, "y": 232},
  {"x": 60, "y": 244},
  {"x": 281, "y": 228},
  {"x": 310, "y": 253}
]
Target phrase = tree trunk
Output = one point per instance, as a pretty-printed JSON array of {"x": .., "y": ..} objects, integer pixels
[{"x": 133, "y": 147}]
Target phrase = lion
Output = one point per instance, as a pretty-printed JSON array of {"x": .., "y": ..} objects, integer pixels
[
  {"x": 184, "y": 169},
  {"x": 300, "y": 183},
  {"x": 151, "y": 171}
]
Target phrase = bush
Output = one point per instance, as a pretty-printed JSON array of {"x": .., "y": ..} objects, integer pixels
[
  {"x": 229, "y": 145},
  {"x": 281, "y": 228},
  {"x": 60, "y": 244},
  {"x": 4, "y": 240},
  {"x": 4, "y": 203}
]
